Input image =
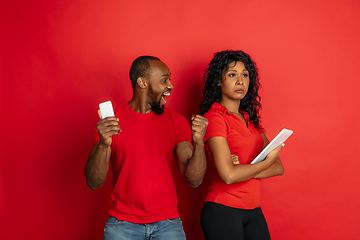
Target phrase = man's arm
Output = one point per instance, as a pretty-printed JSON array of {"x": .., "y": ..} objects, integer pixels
[
  {"x": 191, "y": 159},
  {"x": 97, "y": 166}
]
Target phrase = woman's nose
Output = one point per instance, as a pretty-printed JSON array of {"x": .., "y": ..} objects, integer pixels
[{"x": 239, "y": 81}]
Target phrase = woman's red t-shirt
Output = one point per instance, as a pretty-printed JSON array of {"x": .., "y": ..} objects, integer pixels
[{"x": 244, "y": 141}]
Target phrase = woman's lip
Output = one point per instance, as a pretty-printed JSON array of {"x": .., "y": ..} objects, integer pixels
[{"x": 240, "y": 90}]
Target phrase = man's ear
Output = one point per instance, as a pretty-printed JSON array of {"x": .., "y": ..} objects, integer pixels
[{"x": 141, "y": 82}]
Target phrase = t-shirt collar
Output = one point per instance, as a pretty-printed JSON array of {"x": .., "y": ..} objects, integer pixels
[{"x": 221, "y": 109}]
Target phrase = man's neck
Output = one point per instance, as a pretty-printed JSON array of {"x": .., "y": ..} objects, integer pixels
[{"x": 139, "y": 104}]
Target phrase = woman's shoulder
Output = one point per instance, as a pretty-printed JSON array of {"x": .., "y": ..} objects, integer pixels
[
  {"x": 216, "y": 117},
  {"x": 216, "y": 110},
  {"x": 213, "y": 115}
]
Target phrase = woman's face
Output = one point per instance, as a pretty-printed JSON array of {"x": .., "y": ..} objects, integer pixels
[{"x": 235, "y": 82}]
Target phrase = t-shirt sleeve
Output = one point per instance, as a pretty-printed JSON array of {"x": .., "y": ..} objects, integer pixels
[
  {"x": 183, "y": 130},
  {"x": 95, "y": 135},
  {"x": 216, "y": 127},
  {"x": 260, "y": 130}
]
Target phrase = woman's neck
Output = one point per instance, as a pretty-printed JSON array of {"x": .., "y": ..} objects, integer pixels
[{"x": 232, "y": 106}]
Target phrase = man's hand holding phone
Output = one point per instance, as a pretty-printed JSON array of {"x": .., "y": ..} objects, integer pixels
[{"x": 108, "y": 125}]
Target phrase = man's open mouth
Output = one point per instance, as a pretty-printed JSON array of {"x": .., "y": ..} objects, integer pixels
[{"x": 163, "y": 97}]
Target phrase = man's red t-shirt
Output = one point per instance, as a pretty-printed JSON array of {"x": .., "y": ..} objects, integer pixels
[
  {"x": 141, "y": 163},
  {"x": 246, "y": 143}
]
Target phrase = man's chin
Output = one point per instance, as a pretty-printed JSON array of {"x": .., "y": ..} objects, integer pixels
[{"x": 158, "y": 109}]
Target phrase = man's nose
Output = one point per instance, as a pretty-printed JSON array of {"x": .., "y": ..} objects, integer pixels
[{"x": 170, "y": 86}]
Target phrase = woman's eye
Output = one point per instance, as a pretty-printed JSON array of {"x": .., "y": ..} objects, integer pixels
[
  {"x": 245, "y": 75},
  {"x": 232, "y": 75}
]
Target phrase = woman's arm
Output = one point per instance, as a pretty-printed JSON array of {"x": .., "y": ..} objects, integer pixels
[
  {"x": 275, "y": 169},
  {"x": 231, "y": 173}
]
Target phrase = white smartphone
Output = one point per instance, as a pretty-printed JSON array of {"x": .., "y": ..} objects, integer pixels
[{"x": 106, "y": 109}]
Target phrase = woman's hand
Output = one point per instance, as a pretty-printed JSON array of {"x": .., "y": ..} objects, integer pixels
[
  {"x": 274, "y": 155},
  {"x": 235, "y": 159}
]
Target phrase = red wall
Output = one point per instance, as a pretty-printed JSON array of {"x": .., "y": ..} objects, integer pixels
[{"x": 59, "y": 59}]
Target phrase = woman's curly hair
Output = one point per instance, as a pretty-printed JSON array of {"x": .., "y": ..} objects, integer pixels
[{"x": 214, "y": 74}]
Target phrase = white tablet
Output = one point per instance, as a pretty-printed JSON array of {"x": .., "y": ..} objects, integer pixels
[{"x": 279, "y": 139}]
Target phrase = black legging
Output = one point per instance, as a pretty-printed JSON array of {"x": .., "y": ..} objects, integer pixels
[{"x": 220, "y": 222}]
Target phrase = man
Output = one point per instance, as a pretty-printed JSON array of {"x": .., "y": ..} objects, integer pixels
[{"x": 143, "y": 204}]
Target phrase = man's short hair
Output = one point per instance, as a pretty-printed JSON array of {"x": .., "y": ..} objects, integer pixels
[{"x": 140, "y": 68}]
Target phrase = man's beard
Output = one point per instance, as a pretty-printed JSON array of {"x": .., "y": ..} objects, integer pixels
[{"x": 155, "y": 105}]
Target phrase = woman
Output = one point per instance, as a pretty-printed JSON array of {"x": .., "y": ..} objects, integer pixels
[{"x": 234, "y": 137}]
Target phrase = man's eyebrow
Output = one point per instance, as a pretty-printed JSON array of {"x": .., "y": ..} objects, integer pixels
[{"x": 166, "y": 75}]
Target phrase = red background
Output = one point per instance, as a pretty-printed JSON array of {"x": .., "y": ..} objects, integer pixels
[{"x": 59, "y": 59}]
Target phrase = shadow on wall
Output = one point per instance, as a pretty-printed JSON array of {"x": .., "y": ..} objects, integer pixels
[
  {"x": 92, "y": 89},
  {"x": 100, "y": 86},
  {"x": 191, "y": 200}
]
